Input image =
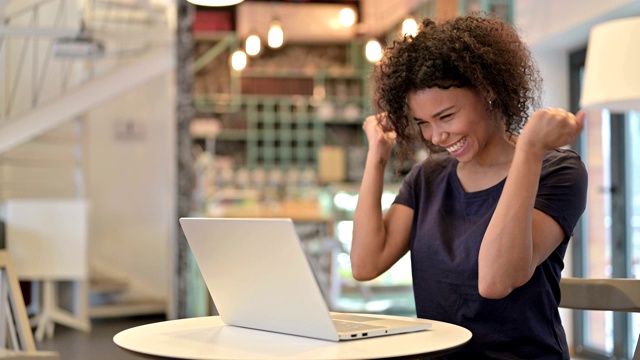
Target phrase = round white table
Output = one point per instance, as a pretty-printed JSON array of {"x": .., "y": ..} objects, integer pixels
[{"x": 209, "y": 338}]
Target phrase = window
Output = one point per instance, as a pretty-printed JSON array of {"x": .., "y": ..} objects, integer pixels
[{"x": 607, "y": 243}]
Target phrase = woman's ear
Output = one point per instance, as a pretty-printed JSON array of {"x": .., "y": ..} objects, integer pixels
[{"x": 490, "y": 98}]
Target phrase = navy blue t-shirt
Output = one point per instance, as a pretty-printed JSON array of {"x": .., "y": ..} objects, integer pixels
[{"x": 448, "y": 227}]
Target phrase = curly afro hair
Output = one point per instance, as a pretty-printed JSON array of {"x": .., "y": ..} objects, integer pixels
[{"x": 476, "y": 51}]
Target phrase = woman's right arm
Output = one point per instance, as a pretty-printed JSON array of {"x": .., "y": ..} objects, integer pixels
[{"x": 378, "y": 240}]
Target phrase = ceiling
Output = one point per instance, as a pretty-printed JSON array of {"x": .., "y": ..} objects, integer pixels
[{"x": 317, "y": 21}]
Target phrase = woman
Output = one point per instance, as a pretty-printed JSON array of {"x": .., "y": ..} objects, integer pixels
[{"x": 489, "y": 213}]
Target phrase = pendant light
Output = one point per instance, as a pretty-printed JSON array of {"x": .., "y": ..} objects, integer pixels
[
  {"x": 409, "y": 27},
  {"x": 347, "y": 17},
  {"x": 238, "y": 60},
  {"x": 275, "y": 37},
  {"x": 373, "y": 50},
  {"x": 252, "y": 45},
  {"x": 215, "y": 2}
]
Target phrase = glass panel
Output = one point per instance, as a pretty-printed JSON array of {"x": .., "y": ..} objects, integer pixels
[
  {"x": 598, "y": 324},
  {"x": 632, "y": 130}
]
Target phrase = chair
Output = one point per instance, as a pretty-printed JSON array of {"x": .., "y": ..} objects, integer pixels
[
  {"x": 602, "y": 294},
  {"x": 14, "y": 322}
]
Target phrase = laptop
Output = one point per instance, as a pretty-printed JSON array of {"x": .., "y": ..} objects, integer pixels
[{"x": 258, "y": 277}]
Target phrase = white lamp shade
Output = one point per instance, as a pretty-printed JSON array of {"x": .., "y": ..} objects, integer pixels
[
  {"x": 215, "y": 2},
  {"x": 612, "y": 68}
]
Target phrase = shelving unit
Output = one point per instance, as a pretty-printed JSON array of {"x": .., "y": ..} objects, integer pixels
[{"x": 287, "y": 130}]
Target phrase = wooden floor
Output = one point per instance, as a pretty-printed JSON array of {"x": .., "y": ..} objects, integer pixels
[{"x": 96, "y": 345}]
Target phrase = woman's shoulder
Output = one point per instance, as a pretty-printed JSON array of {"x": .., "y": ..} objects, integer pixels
[
  {"x": 432, "y": 167},
  {"x": 563, "y": 160},
  {"x": 562, "y": 153},
  {"x": 561, "y": 156}
]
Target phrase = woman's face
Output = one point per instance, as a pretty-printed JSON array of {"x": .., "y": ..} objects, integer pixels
[{"x": 455, "y": 119}]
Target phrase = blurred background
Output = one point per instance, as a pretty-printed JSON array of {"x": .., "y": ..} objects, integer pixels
[{"x": 119, "y": 116}]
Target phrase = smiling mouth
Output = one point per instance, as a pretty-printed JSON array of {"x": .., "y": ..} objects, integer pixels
[{"x": 457, "y": 146}]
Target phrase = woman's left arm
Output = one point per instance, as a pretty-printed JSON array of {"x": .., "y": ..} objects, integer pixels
[{"x": 520, "y": 237}]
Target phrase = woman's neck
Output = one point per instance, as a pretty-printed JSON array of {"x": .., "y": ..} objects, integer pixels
[{"x": 490, "y": 166}]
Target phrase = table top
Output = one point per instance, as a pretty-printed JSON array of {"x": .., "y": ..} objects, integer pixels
[{"x": 209, "y": 338}]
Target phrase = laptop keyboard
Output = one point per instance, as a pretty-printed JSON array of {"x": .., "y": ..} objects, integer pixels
[{"x": 348, "y": 326}]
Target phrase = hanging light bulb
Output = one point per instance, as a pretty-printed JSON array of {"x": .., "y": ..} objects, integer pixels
[
  {"x": 347, "y": 17},
  {"x": 275, "y": 37},
  {"x": 252, "y": 45},
  {"x": 238, "y": 60},
  {"x": 215, "y": 2},
  {"x": 409, "y": 27},
  {"x": 373, "y": 51}
]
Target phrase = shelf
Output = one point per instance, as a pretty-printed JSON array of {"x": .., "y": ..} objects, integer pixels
[
  {"x": 233, "y": 135},
  {"x": 278, "y": 120},
  {"x": 341, "y": 122},
  {"x": 281, "y": 132}
]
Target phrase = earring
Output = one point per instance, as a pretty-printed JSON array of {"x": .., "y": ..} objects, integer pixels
[{"x": 490, "y": 105}]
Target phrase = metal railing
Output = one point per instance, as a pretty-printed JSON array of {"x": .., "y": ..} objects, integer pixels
[{"x": 33, "y": 72}]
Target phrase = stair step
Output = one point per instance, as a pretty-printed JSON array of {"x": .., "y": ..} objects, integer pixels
[
  {"x": 128, "y": 308},
  {"x": 104, "y": 285}
]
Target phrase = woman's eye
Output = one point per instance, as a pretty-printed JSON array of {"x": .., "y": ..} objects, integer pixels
[{"x": 446, "y": 117}]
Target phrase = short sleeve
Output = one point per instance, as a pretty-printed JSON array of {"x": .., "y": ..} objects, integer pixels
[
  {"x": 562, "y": 192},
  {"x": 406, "y": 194},
  {"x": 421, "y": 179}
]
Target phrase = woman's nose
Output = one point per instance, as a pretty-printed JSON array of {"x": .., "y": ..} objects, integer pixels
[{"x": 438, "y": 136}]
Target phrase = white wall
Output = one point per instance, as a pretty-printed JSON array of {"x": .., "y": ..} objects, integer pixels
[{"x": 131, "y": 185}]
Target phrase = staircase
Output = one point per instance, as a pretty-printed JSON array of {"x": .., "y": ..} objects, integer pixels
[
  {"x": 44, "y": 99},
  {"x": 88, "y": 95},
  {"x": 111, "y": 296}
]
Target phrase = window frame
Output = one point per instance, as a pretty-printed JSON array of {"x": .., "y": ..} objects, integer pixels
[{"x": 621, "y": 246}]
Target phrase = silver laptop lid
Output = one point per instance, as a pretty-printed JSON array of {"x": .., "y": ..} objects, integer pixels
[{"x": 258, "y": 275}]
